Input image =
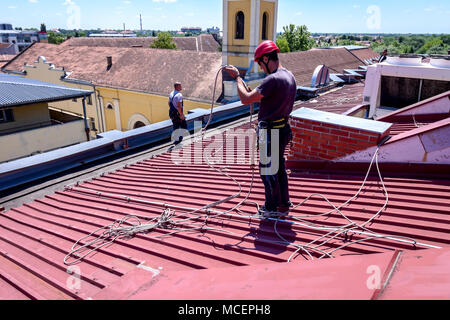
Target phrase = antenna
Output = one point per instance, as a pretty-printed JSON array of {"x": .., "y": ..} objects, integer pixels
[{"x": 140, "y": 16}]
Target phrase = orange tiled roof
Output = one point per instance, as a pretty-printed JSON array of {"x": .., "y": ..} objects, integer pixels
[
  {"x": 136, "y": 69},
  {"x": 302, "y": 64}
]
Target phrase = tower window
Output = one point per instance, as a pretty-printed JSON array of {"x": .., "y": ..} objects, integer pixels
[
  {"x": 240, "y": 24},
  {"x": 264, "y": 26}
]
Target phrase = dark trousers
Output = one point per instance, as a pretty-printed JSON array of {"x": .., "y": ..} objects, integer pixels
[
  {"x": 276, "y": 183},
  {"x": 177, "y": 124}
]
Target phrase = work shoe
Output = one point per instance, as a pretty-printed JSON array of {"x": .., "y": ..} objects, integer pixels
[
  {"x": 285, "y": 208},
  {"x": 266, "y": 213},
  {"x": 175, "y": 147}
]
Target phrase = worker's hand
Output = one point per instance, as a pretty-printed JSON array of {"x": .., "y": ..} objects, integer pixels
[
  {"x": 232, "y": 71},
  {"x": 183, "y": 117}
]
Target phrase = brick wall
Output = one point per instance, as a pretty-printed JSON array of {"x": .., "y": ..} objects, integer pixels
[{"x": 336, "y": 137}]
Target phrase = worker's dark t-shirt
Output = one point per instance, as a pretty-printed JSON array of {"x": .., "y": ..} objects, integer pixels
[{"x": 279, "y": 90}]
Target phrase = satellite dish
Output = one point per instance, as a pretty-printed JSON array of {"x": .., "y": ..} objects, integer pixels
[{"x": 321, "y": 77}]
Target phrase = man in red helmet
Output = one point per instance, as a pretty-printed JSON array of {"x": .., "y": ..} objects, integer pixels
[{"x": 276, "y": 96}]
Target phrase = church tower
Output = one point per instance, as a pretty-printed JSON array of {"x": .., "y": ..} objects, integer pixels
[{"x": 247, "y": 23}]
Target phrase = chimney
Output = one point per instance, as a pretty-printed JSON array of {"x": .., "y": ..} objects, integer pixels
[
  {"x": 320, "y": 135},
  {"x": 109, "y": 62}
]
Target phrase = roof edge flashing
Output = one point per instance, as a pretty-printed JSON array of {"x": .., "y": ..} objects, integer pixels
[{"x": 342, "y": 120}]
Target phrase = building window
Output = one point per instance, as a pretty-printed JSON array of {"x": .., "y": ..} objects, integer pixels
[
  {"x": 75, "y": 100},
  {"x": 110, "y": 107},
  {"x": 264, "y": 26},
  {"x": 6, "y": 116},
  {"x": 138, "y": 125},
  {"x": 89, "y": 100},
  {"x": 92, "y": 124},
  {"x": 240, "y": 25}
]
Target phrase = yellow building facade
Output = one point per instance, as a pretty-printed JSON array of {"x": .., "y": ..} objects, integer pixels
[
  {"x": 127, "y": 110},
  {"x": 247, "y": 23}
]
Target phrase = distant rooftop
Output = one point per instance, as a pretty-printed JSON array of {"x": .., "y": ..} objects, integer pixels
[
  {"x": 348, "y": 47},
  {"x": 16, "y": 91},
  {"x": 204, "y": 42}
]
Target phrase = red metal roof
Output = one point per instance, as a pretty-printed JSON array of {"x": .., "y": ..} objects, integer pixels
[
  {"x": 344, "y": 278},
  {"x": 35, "y": 238}
]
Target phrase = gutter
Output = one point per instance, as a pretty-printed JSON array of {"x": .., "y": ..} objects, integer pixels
[{"x": 86, "y": 127}]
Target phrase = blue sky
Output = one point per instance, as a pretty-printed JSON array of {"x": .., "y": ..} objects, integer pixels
[{"x": 374, "y": 16}]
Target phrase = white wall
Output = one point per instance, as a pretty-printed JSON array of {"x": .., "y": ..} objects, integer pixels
[{"x": 25, "y": 143}]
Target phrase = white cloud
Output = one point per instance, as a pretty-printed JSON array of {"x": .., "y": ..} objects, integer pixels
[
  {"x": 299, "y": 13},
  {"x": 165, "y": 1},
  {"x": 12, "y": 7},
  {"x": 356, "y": 6}
]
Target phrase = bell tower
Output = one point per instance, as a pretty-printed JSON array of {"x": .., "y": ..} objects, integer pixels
[{"x": 246, "y": 23}]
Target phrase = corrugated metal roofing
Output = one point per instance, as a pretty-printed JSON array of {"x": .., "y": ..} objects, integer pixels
[
  {"x": 36, "y": 237},
  {"x": 16, "y": 90}
]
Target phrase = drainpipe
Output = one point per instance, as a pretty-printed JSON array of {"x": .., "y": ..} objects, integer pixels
[
  {"x": 86, "y": 127},
  {"x": 101, "y": 110},
  {"x": 100, "y": 125}
]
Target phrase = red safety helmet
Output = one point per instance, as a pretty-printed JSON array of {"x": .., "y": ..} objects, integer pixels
[{"x": 264, "y": 48}]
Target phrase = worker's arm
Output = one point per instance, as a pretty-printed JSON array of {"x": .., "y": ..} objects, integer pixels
[
  {"x": 247, "y": 97},
  {"x": 180, "y": 111}
]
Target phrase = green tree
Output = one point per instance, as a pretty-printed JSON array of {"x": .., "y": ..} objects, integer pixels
[
  {"x": 283, "y": 44},
  {"x": 164, "y": 41},
  {"x": 43, "y": 27},
  {"x": 432, "y": 42},
  {"x": 297, "y": 37},
  {"x": 56, "y": 38},
  {"x": 446, "y": 39},
  {"x": 438, "y": 49}
]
